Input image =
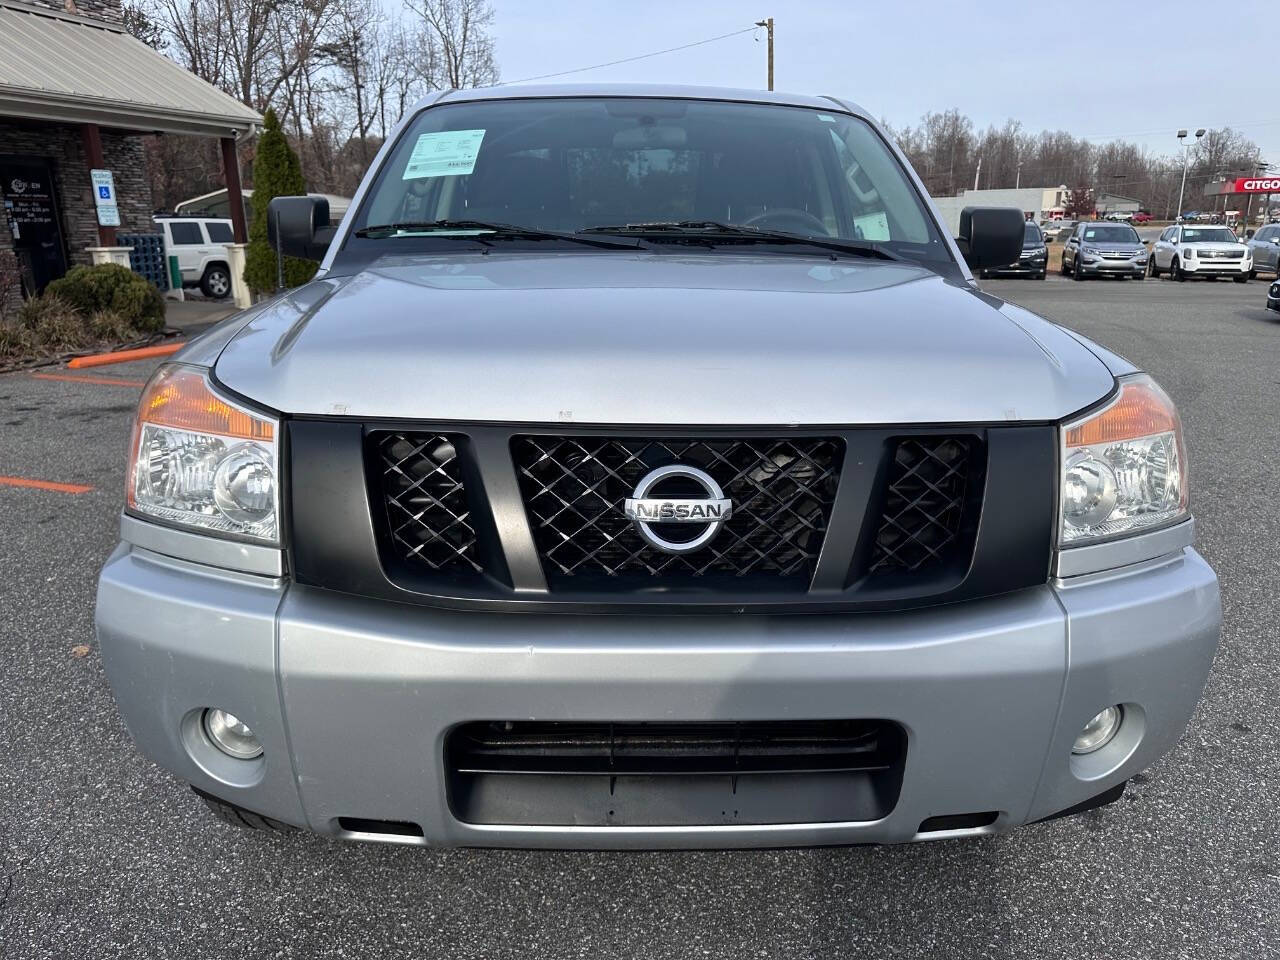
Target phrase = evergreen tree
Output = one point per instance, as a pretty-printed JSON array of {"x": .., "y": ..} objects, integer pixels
[{"x": 276, "y": 173}]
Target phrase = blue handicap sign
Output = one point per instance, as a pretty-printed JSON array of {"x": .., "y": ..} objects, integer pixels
[{"x": 104, "y": 192}]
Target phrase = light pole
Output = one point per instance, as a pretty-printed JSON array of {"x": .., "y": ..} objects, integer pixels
[{"x": 1186, "y": 158}]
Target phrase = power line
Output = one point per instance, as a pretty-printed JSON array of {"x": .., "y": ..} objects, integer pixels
[{"x": 643, "y": 56}]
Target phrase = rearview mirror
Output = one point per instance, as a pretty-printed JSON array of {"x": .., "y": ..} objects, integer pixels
[
  {"x": 299, "y": 226},
  {"x": 990, "y": 236}
]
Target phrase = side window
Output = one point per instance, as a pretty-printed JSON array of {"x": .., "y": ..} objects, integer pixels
[
  {"x": 185, "y": 233},
  {"x": 1168, "y": 234},
  {"x": 218, "y": 232}
]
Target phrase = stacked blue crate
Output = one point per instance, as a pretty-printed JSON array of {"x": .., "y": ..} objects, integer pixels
[{"x": 146, "y": 257}]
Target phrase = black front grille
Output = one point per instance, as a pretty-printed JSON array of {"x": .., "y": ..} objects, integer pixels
[
  {"x": 632, "y": 773},
  {"x": 428, "y": 515},
  {"x": 924, "y": 508},
  {"x": 782, "y": 492}
]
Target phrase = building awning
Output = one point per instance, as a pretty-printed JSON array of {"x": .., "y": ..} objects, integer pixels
[{"x": 69, "y": 69}]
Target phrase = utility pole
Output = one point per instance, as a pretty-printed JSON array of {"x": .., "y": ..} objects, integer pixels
[
  {"x": 768, "y": 25},
  {"x": 1018, "y": 184},
  {"x": 977, "y": 173}
]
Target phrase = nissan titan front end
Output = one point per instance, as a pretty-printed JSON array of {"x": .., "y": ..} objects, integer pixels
[{"x": 644, "y": 469}]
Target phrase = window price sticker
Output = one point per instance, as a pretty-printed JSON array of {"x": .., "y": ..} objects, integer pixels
[{"x": 451, "y": 153}]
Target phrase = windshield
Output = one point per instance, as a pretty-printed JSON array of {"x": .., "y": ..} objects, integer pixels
[
  {"x": 1031, "y": 236},
  {"x": 567, "y": 165},
  {"x": 1110, "y": 234},
  {"x": 1208, "y": 235}
]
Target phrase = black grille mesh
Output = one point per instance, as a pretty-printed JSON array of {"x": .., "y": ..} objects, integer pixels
[
  {"x": 782, "y": 491},
  {"x": 427, "y": 509},
  {"x": 924, "y": 503}
]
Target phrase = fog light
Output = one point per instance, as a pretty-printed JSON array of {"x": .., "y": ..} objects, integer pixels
[
  {"x": 1097, "y": 733},
  {"x": 231, "y": 734}
]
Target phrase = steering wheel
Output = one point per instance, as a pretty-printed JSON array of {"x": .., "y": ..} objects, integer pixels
[{"x": 788, "y": 218}]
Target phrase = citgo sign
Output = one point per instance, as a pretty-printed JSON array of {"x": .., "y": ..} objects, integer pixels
[{"x": 1257, "y": 185}]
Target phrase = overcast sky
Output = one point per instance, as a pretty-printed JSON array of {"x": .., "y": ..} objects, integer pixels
[{"x": 902, "y": 59}]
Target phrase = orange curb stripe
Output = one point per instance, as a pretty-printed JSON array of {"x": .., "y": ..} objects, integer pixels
[
  {"x": 105, "y": 381},
  {"x": 44, "y": 485},
  {"x": 124, "y": 356}
]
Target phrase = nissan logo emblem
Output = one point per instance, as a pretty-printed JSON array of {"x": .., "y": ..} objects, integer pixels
[{"x": 646, "y": 510}]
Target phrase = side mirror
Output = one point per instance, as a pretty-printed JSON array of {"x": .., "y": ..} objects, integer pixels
[
  {"x": 1276, "y": 241},
  {"x": 991, "y": 236},
  {"x": 1248, "y": 234},
  {"x": 299, "y": 226}
]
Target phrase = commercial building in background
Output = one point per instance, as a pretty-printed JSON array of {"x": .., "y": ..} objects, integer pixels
[
  {"x": 1036, "y": 203},
  {"x": 1114, "y": 203},
  {"x": 77, "y": 94}
]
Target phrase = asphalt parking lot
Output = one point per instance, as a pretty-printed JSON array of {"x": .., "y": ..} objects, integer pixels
[{"x": 104, "y": 855}]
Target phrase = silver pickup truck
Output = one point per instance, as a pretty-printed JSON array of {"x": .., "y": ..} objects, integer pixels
[{"x": 644, "y": 468}]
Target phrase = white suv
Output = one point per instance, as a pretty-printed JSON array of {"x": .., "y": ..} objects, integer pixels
[
  {"x": 1185, "y": 251},
  {"x": 200, "y": 244}
]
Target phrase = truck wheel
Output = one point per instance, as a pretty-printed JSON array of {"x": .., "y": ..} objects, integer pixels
[
  {"x": 216, "y": 282},
  {"x": 240, "y": 817},
  {"x": 1244, "y": 279},
  {"x": 1152, "y": 270},
  {"x": 1076, "y": 272},
  {"x": 1175, "y": 271},
  {"x": 1062, "y": 266}
]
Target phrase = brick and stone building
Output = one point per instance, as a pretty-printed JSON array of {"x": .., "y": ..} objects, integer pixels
[{"x": 89, "y": 109}]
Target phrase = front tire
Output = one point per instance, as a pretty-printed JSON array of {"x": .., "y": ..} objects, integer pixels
[
  {"x": 242, "y": 818},
  {"x": 1244, "y": 279},
  {"x": 1175, "y": 271},
  {"x": 1152, "y": 270},
  {"x": 216, "y": 282},
  {"x": 1076, "y": 272}
]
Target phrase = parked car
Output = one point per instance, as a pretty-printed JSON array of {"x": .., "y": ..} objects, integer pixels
[
  {"x": 1273, "y": 296},
  {"x": 1097, "y": 249},
  {"x": 1140, "y": 217},
  {"x": 1060, "y": 229},
  {"x": 1033, "y": 261},
  {"x": 1118, "y": 216},
  {"x": 200, "y": 244},
  {"x": 1185, "y": 251},
  {"x": 1264, "y": 249},
  {"x": 712, "y": 505}
]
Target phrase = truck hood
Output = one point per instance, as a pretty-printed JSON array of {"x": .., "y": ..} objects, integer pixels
[{"x": 657, "y": 338}]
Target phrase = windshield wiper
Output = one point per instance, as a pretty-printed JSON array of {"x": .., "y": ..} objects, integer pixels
[
  {"x": 712, "y": 230},
  {"x": 484, "y": 231}
]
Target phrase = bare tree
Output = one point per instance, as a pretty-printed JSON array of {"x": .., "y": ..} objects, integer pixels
[{"x": 459, "y": 29}]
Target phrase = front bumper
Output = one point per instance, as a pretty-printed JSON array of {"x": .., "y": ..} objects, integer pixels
[
  {"x": 352, "y": 698},
  {"x": 1195, "y": 266},
  {"x": 1130, "y": 268},
  {"x": 1031, "y": 266}
]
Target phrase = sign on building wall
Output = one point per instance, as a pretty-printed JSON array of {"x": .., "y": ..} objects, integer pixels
[{"x": 104, "y": 198}]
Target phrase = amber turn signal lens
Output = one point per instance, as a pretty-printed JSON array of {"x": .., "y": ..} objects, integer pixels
[
  {"x": 1141, "y": 410},
  {"x": 180, "y": 397}
]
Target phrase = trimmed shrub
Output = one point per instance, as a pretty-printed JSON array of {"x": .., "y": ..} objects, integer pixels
[
  {"x": 277, "y": 172},
  {"x": 47, "y": 326},
  {"x": 111, "y": 287}
]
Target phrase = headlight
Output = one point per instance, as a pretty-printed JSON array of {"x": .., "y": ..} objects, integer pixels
[
  {"x": 198, "y": 460},
  {"x": 1124, "y": 468}
]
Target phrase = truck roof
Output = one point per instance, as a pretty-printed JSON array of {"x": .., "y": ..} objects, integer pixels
[{"x": 670, "y": 90}]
